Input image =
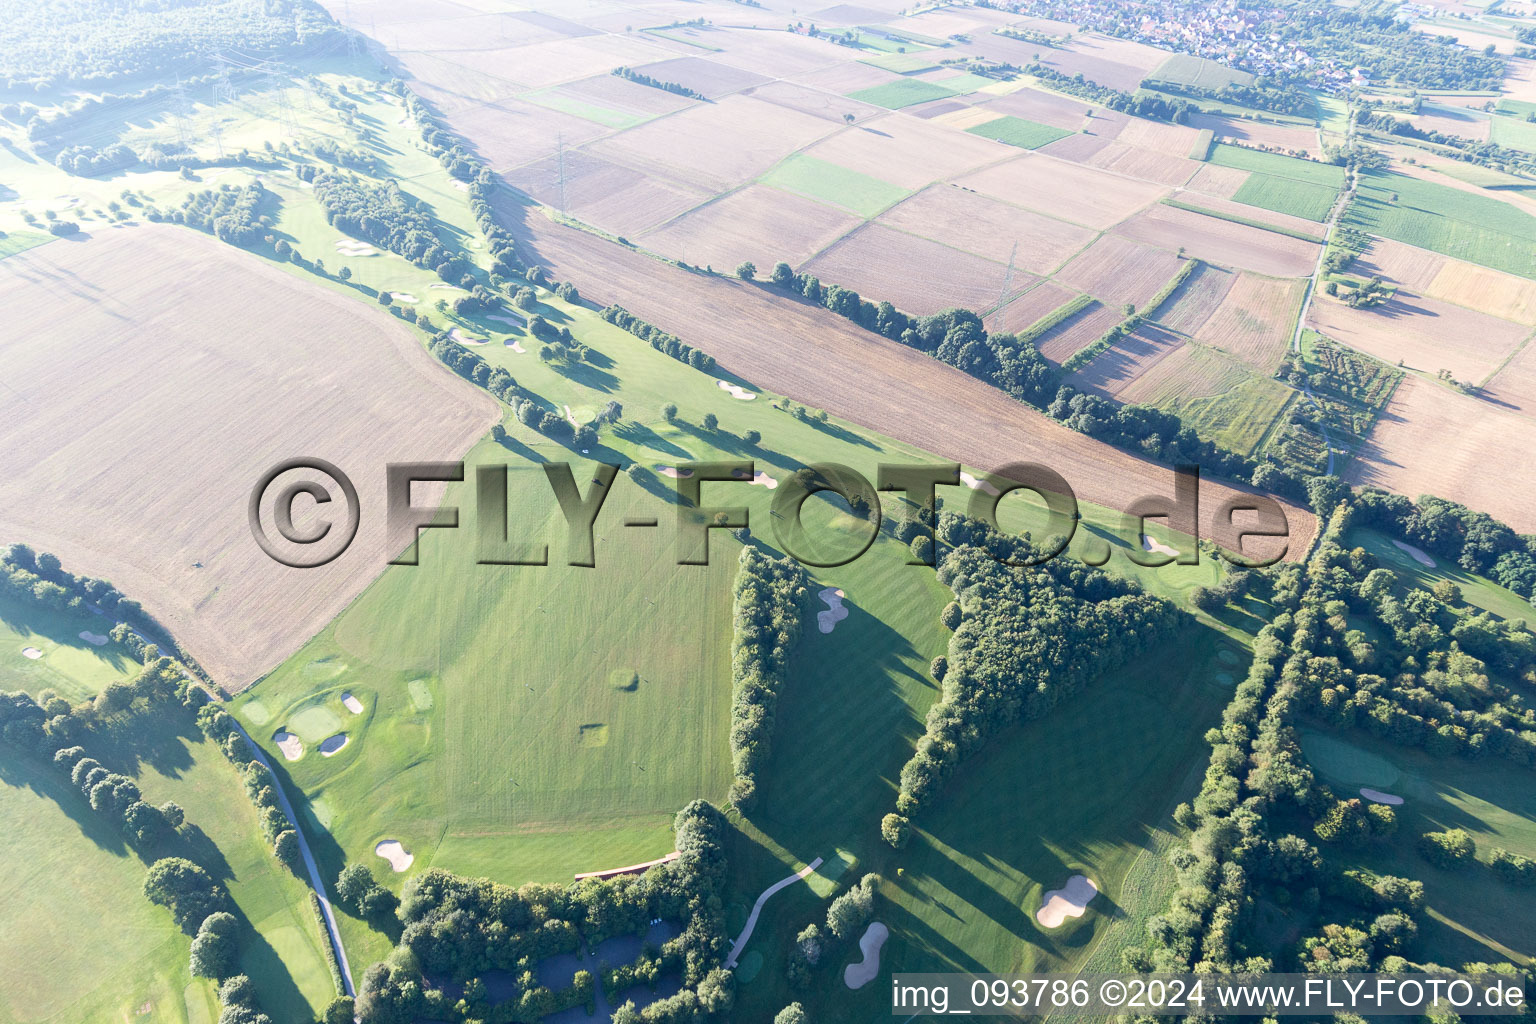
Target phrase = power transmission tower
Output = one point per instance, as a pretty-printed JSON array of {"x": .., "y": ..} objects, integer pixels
[
  {"x": 224, "y": 90},
  {"x": 560, "y": 148},
  {"x": 217, "y": 131},
  {"x": 1008, "y": 277},
  {"x": 180, "y": 108}
]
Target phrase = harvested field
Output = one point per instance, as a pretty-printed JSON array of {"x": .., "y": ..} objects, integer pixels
[
  {"x": 1116, "y": 270},
  {"x": 1433, "y": 440},
  {"x": 1147, "y": 164},
  {"x": 847, "y": 77},
  {"x": 200, "y": 398},
  {"x": 709, "y": 78},
  {"x": 1078, "y": 149},
  {"x": 1028, "y": 308},
  {"x": 757, "y": 223},
  {"x": 1514, "y": 387},
  {"x": 511, "y": 133},
  {"x": 1291, "y": 138},
  {"x": 1221, "y": 182},
  {"x": 1130, "y": 357},
  {"x": 621, "y": 93},
  {"x": 776, "y": 54},
  {"x": 1222, "y": 242},
  {"x": 1520, "y": 80},
  {"x": 1194, "y": 301},
  {"x": 608, "y": 195},
  {"x": 1486, "y": 290},
  {"x": 1401, "y": 264},
  {"x": 812, "y": 101},
  {"x": 1044, "y": 107},
  {"x": 1256, "y": 320},
  {"x": 451, "y": 87},
  {"x": 817, "y": 358},
  {"x": 905, "y": 151},
  {"x": 1451, "y": 120},
  {"x": 716, "y": 145},
  {"x": 1071, "y": 192},
  {"x": 1164, "y": 138},
  {"x": 1118, "y": 63},
  {"x": 1423, "y": 333},
  {"x": 914, "y": 274},
  {"x": 1077, "y": 332},
  {"x": 563, "y": 60},
  {"x": 1218, "y": 397},
  {"x": 960, "y": 113},
  {"x": 1242, "y": 211},
  {"x": 988, "y": 228}
]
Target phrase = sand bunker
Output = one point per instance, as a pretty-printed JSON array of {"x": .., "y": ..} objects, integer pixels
[
  {"x": 835, "y": 613},
  {"x": 291, "y": 746},
  {"x": 331, "y": 747},
  {"x": 31, "y": 652},
  {"x": 1068, "y": 901},
  {"x": 736, "y": 390},
  {"x": 392, "y": 851},
  {"x": 349, "y": 247},
  {"x": 571, "y": 418},
  {"x": 674, "y": 472},
  {"x": 515, "y": 346},
  {"x": 1148, "y": 544},
  {"x": 1376, "y": 796},
  {"x": 760, "y": 478},
  {"x": 514, "y": 321},
  {"x": 862, "y": 973},
  {"x": 462, "y": 186},
  {"x": 94, "y": 639},
  {"x": 466, "y": 339},
  {"x": 1417, "y": 554},
  {"x": 977, "y": 484},
  {"x": 444, "y": 288},
  {"x": 405, "y": 297},
  {"x": 352, "y": 704}
]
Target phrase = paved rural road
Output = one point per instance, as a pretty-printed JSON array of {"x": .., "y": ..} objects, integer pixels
[
  {"x": 757, "y": 908},
  {"x": 309, "y": 862}
]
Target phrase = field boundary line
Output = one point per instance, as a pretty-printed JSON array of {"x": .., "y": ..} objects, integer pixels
[{"x": 757, "y": 908}]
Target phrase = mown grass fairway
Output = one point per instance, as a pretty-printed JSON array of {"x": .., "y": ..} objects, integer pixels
[
  {"x": 1281, "y": 166},
  {"x": 819, "y": 179},
  {"x": 1287, "y": 195},
  {"x": 1476, "y": 591},
  {"x": 81, "y": 873},
  {"x": 1447, "y": 220},
  {"x": 1016, "y": 131}
]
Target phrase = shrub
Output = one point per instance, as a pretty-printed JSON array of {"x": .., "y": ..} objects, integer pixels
[
  {"x": 1513, "y": 869},
  {"x": 895, "y": 830},
  {"x": 1449, "y": 850}
]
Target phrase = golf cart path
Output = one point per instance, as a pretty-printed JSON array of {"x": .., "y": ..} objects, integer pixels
[{"x": 757, "y": 908}]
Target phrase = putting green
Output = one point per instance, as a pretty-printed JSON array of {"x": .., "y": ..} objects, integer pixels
[
  {"x": 421, "y": 696},
  {"x": 1347, "y": 764},
  {"x": 314, "y": 723},
  {"x": 750, "y": 965}
]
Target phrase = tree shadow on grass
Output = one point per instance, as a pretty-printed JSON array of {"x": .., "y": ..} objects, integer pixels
[
  {"x": 45, "y": 781},
  {"x": 587, "y": 374},
  {"x": 276, "y": 991},
  {"x": 640, "y": 434}
]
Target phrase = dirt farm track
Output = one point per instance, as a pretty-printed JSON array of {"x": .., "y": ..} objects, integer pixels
[
  {"x": 133, "y": 429},
  {"x": 816, "y": 357}
]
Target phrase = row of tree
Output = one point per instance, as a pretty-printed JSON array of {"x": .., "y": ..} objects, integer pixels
[{"x": 660, "y": 340}]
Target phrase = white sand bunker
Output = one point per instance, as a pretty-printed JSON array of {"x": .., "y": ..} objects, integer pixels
[
  {"x": 514, "y": 321},
  {"x": 352, "y": 247},
  {"x": 1417, "y": 554},
  {"x": 94, "y": 639},
  {"x": 392, "y": 851},
  {"x": 571, "y": 418},
  {"x": 862, "y": 973},
  {"x": 405, "y": 297},
  {"x": 1068, "y": 901},
  {"x": 759, "y": 478},
  {"x": 827, "y": 621},
  {"x": 352, "y": 704},
  {"x": 291, "y": 746},
  {"x": 444, "y": 288},
  {"x": 1376, "y": 796},
  {"x": 977, "y": 484},
  {"x": 515, "y": 346},
  {"x": 674, "y": 472},
  {"x": 466, "y": 339},
  {"x": 1148, "y": 544},
  {"x": 31, "y": 652},
  {"x": 462, "y": 186},
  {"x": 332, "y": 746},
  {"x": 736, "y": 390}
]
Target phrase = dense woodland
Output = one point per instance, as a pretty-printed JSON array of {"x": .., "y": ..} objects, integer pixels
[
  {"x": 1351, "y": 646},
  {"x": 100, "y": 42}
]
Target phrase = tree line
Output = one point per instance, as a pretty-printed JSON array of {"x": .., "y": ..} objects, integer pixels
[
  {"x": 660, "y": 340},
  {"x": 641, "y": 78}
]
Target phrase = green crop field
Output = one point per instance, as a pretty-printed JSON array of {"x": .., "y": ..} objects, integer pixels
[
  {"x": 902, "y": 63},
  {"x": 1287, "y": 195},
  {"x": 1328, "y": 175},
  {"x": 905, "y": 93},
  {"x": 1477, "y": 228},
  {"x": 1016, "y": 131},
  {"x": 81, "y": 872},
  {"x": 1242, "y": 413},
  {"x": 605, "y": 116},
  {"x": 64, "y": 662},
  {"x": 1515, "y": 133},
  {"x": 1518, "y": 108},
  {"x": 818, "y": 179},
  {"x": 20, "y": 241},
  {"x": 1187, "y": 69}
]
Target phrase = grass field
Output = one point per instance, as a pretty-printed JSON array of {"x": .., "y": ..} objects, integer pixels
[
  {"x": 1477, "y": 228},
  {"x": 1287, "y": 195},
  {"x": 79, "y": 873},
  {"x": 1187, "y": 69},
  {"x": 905, "y": 93},
  {"x": 20, "y": 241},
  {"x": 1515, "y": 133},
  {"x": 1517, "y": 108},
  {"x": 1327, "y": 175},
  {"x": 1470, "y": 915},
  {"x": 68, "y": 664},
  {"x": 1243, "y": 411},
  {"x": 818, "y": 179},
  {"x": 1016, "y": 131}
]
